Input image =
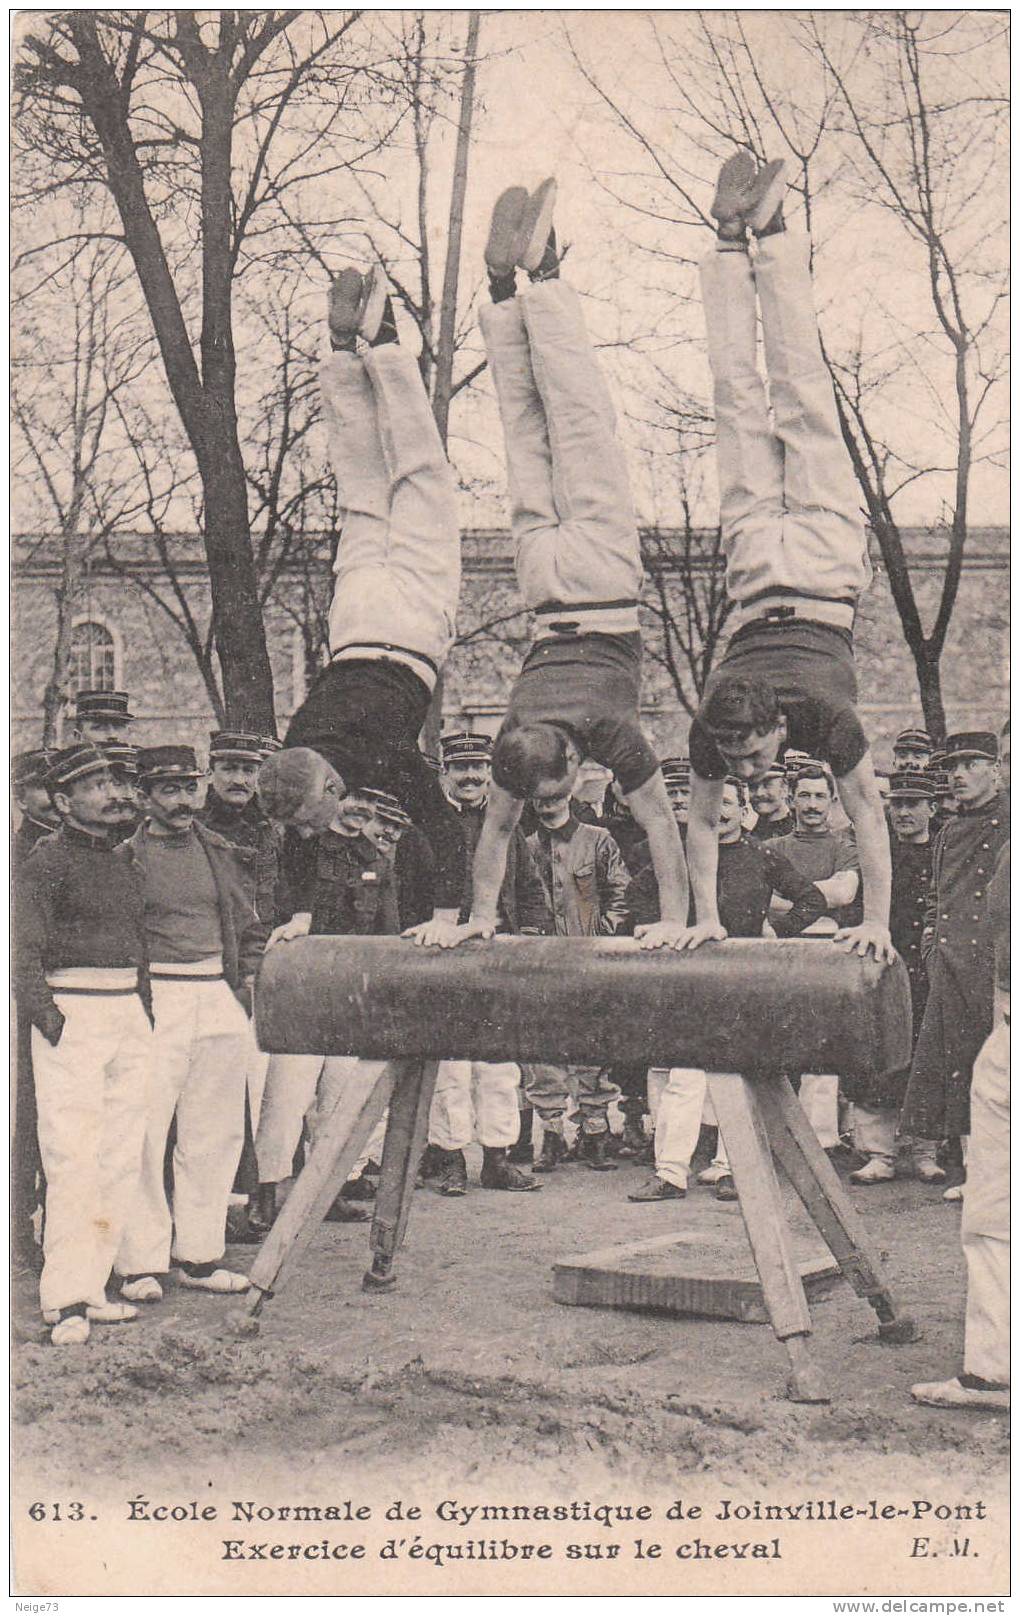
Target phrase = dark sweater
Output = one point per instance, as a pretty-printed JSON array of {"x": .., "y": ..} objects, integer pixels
[
  {"x": 749, "y": 873},
  {"x": 76, "y": 905}
]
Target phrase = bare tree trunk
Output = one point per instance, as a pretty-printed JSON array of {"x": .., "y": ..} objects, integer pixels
[
  {"x": 68, "y": 593},
  {"x": 448, "y": 310}
]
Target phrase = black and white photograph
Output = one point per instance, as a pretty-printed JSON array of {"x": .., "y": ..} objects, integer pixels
[{"x": 510, "y": 805}]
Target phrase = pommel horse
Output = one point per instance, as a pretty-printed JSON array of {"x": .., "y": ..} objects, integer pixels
[{"x": 746, "y": 1011}]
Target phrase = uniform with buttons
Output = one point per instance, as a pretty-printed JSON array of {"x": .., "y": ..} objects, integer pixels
[{"x": 958, "y": 1015}]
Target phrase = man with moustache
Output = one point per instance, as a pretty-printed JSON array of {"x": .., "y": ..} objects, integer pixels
[
  {"x": 123, "y": 760},
  {"x": 770, "y": 799},
  {"x": 877, "y": 1097},
  {"x": 478, "y": 1100},
  {"x": 204, "y": 941},
  {"x": 81, "y": 981},
  {"x": 958, "y": 1015},
  {"x": 912, "y": 751}
]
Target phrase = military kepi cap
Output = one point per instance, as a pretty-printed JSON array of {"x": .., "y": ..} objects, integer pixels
[
  {"x": 386, "y": 806},
  {"x": 94, "y": 704},
  {"x": 241, "y": 744},
  {"x": 123, "y": 757},
  {"x": 971, "y": 743},
  {"x": 916, "y": 740},
  {"x": 911, "y": 785},
  {"x": 168, "y": 763},
  {"x": 675, "y": 770},
  {"x": 461, "y": 746},
  {"x": 74, "y": 763},
  {"x": 30, "y": 768}
]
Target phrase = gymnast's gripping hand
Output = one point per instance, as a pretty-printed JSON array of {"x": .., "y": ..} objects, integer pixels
[
  {"x": 447, "y": 934},
  {"x": 661, "y": 934},
  {"x": 298, "y": 925},
  {"x": 693, "y": 936},
  {"x": 869, "y": 937}
]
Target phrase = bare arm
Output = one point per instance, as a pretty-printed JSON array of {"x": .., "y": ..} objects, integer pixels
[
  {"x": 489, "y": 868},
  {"x": 859, "y": 794},
  {"x": 703, "y": 857},
  {"x": 651, "y": 808}
]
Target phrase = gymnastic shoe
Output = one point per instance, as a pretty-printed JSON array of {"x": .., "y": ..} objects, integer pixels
[
  {"x": 657, "y": 1189},
  {"x": 112, "y": 1313},
  {"x": 452, "y": 1176},
  {"x": 955, "y": 1192},
  {"x": 733, "y": 191},
  {"x": 346, "y": 297},
  {"x": 876, "y": 1170},
  {"x": 499, "y": 1174},
  {"x": 220, "y": 1281},
  {"x": 360, "y": 1188},
  {"x": 963, "y": 1391},
  {"x": 726, "y": 1189},
  {"x": 535, "y": 236},
  {"x": 505, "y": 232},
  {"x": 141, "y": 1288},
  {"x": 344, "y": 1211},
  {"x": 72, "y": 1330},
  {"x": 766, "y": 197},
  {"x": 928, "y": 1171},
  {"x": 713, "y": 1173}
]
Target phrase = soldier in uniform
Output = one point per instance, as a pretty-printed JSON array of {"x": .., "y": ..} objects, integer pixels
[
  {"x": 479, "y": 1099},
  {"x": 233, "y": 811},
  {"x": 877, "y": 1097},
  {"x": 101, "y": 716},
  {"x": 123, "y": 759},
  {"x": 38, "y": 816},
  {"x": 912, "y": 751},
  {"x": 350, "y": 890},
  {"x": 203, "y": 943},
  {"x": 770, "y": 799},
  {"x": 958, "y": 1015},
  {"x": 80, "y": 978}
]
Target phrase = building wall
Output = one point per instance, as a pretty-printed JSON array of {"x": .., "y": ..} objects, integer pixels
[{"x": 170, "y": 702}]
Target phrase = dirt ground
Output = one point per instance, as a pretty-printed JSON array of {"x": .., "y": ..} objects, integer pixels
[{"x": 470, "y": 1370}]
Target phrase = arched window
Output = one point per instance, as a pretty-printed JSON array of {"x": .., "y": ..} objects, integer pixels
[{"x": 93, "y": 662}]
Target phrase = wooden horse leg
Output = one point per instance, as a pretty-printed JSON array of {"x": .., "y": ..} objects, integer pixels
[
  {"x": 761, "y": 1205},
  {"x": 815, "y": 1179},
  {"x": 405, "y": 1140},
  {"x": 340, "y": 1142}
]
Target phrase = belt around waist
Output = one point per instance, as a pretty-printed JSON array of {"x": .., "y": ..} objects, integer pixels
[
  {"x": 379, "y": 650},
  {"x": 785, "y": 607},
  {"x": 108, "y": 980},
  {"x": 203, "y": 970},
  {"x": 590, "y": 617}
]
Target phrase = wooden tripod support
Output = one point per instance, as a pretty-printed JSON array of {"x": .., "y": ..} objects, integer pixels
[{"x": 759, "y": 1007}]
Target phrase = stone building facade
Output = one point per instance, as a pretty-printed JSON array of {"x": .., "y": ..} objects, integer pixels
[{"x": 125, "y": 640}]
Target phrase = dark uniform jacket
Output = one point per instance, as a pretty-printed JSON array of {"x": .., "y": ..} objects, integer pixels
[
  {"x": 250, "y": 828},
  {"x": 28, "y": 833},
  {"x": 75, "y": 906},
  {"x": 911, "y": 881},
  {"x": 355, "y": 890},
  {"x": 958, "y": 1015},
  {"x": 523, "y": 905},
  {"x": 584, "y": 878},
  {"x": 243, "y": 935}
]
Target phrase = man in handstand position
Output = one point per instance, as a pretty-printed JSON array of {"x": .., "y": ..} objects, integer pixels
[
  {"x": 796, "y": 550},
  {"x": 397, "y": 569},
  {"x": 578, "y": 565}
]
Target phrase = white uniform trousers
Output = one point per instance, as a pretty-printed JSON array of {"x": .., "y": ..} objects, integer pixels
[
  {"x": 92, "y": 1093},
  {"x": 201, "y": 1055},
  {"x": 398, "y": 563},
  {"x": 676, "y": 1100},
  {"x": 789, "y": 500},
  {"x": 475, "y": 1100},
  {"x": 300, "y": 1089},
  {"x": 571, "y": 511},
  {"x": 875, "y": 1132},
  {"x": 819, "y": 1096},
  {"x": 985, "y": 1226}
]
